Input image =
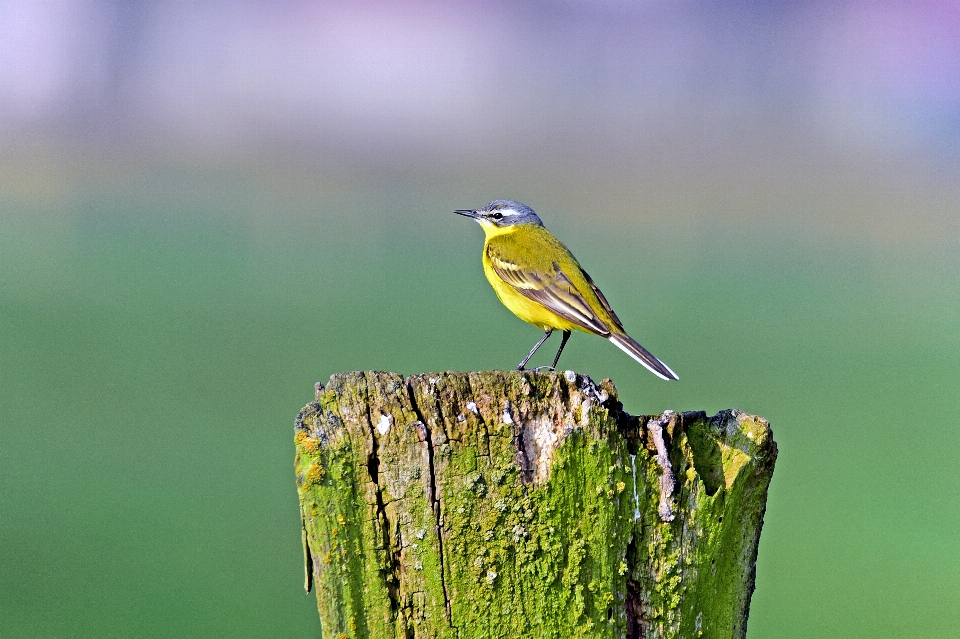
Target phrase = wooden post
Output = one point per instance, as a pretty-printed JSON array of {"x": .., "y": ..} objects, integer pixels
[{"x": 525, "y": 504}]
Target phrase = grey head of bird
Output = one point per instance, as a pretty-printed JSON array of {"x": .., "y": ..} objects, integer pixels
[{"x": 504, "y": 213}]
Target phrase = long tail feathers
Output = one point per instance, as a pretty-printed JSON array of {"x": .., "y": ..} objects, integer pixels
[{"x": 627, "y": 344}]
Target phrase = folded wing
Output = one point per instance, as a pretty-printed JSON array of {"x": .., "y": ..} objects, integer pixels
[{"x": 549, "y": 287}]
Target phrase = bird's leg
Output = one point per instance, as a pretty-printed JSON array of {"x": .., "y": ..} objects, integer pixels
[
  {"x": 534, "y": 349},
  {"x": 563, "y": 342}
]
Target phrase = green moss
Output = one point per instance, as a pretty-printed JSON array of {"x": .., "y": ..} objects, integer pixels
[{"x": 502, "y": 504}]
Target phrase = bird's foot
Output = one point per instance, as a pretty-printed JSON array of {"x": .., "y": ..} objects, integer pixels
[{"x": 544, "y": 368}]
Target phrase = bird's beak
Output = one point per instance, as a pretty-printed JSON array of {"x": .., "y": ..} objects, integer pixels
[{"x": 466, "y": 213}]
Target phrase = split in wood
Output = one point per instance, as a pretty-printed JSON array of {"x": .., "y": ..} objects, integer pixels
[{"x": 655, "y": 426}]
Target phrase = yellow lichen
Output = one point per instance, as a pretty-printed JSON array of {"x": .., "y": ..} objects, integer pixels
[
  {"x": 308, "y": 444},
  {"x": 316, "y": 473}
]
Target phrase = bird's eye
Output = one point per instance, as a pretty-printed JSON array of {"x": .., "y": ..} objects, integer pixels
[{"x": 497, "y": 215}]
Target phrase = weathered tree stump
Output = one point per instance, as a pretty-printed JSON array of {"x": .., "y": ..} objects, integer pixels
[{"x": 524, "y": 504}]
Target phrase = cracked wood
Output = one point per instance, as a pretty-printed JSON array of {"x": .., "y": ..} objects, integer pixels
[{"x": 502, "y": 504}]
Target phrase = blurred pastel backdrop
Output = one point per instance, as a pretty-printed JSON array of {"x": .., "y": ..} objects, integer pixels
[{"x": 206, "y": 207}]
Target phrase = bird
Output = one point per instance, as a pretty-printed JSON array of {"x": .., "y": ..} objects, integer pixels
[{"x": 542, "y": 283}]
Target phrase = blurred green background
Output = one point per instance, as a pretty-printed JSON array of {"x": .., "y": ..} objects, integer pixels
[{"x": 207, "y": 207}]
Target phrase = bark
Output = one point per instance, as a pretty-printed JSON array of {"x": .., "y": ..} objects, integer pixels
[{"x": 525, "y": 504}]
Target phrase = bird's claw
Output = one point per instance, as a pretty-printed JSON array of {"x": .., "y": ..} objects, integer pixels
[{"x": 544, "y": 368}]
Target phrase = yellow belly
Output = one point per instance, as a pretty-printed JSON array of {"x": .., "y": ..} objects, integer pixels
[{"x": 524, "y": 307}]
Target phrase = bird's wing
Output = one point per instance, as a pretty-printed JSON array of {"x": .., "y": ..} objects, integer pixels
[
  {"x": 549, "y": 287},
  {"x": 603, "y": 300}
]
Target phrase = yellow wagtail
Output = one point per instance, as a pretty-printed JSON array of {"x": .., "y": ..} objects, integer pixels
[{"x": 537, "y": 278}]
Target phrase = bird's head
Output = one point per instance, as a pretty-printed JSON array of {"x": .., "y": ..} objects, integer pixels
[{"x": 503, "y": 213}]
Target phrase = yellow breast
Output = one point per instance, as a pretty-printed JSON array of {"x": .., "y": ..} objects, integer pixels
[{"x": 523, "y": 307}]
